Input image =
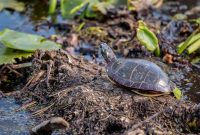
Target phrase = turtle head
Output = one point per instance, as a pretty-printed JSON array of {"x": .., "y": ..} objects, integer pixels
[{"x": 107, "y": 52}]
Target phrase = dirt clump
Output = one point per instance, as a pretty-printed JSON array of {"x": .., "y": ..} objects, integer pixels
[{"x": 62, "y": 85}]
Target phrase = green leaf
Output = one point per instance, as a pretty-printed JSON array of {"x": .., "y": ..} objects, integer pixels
[
  {"x": 190, "y": 40},
  {"x": 195, "y": 60},
  {"x": 12, "y": 4},
  {"x": 179, "y": 16},
  {"x": 80, "y": 27},
  {"x": 103, "y": 6},
  {"x": 70, "y": 7},
  {"x": 52, "y": 6},
  {"x": 177, "y": 93},
  {"x": 26, "y": 42},
  {"x": 196, "y": 20},
  {"x": 77, "y": 8},
  {"x": 94, "y": 7},
  {"x": 90, "y": 9},
  {"x": 194, "y": 46},
  {"x": 8, "y": 56},
  {"x": 147, "y": 38}
]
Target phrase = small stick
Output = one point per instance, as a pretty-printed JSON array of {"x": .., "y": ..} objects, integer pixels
[
  {"x": 42, "y": 110},
  {"x": 34, "y": 79},
  {"x": 23, "y": 107},
  {"x": 49, "y": 72},
  {"x": 2, "y": 68},
  {"x": 23, "y": 65},
  {"x": 13, "y": 70},
  {"x": 61, "y": 92}
]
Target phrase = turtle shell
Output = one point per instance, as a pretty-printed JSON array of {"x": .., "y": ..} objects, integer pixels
[{"x": 139, "y": 74}]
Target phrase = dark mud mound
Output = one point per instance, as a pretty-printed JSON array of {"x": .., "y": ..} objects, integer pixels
[{"x": 80, "y": 92}]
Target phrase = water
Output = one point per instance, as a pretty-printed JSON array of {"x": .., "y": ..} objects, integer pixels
[
  {"x": 21, "y": 22},
  {"x": 192, "y": 86},
  {"x": 11, "y": 122}
]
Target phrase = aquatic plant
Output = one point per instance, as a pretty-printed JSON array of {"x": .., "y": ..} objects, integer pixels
[
  {"x": 191, "y": 44},
  {"x": 86, "y": 8},
  {"x": 22, "y": 45},
  {"x": 147, "y": 38}
]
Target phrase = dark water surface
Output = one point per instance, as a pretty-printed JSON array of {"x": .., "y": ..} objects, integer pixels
[
  {"x": 11, "y": 122},
  {"x": 36, "y": 11},
  {"x": 192, "y": 87}
]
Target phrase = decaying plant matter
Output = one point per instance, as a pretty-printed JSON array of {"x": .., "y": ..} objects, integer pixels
[{"x": 79, "y": 91}]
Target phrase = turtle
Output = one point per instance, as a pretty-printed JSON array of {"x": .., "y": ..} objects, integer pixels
[{"x": 141, "y": 76}]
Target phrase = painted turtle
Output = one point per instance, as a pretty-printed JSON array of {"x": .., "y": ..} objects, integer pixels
[{"x": 142, "y": 76}]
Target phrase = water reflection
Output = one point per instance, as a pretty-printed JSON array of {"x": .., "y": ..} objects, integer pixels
[{"x": 20, "y": 22}]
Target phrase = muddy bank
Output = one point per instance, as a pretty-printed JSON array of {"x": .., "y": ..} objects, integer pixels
[{"x": 80, "y": 92}]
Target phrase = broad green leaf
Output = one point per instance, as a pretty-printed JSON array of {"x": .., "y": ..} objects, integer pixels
[
  {"x": 69, "y": 7},
  {"x": 147, "y": 38},
  {"x": 177, "y": 93},
  {"x": 12, "y": 4},
  {"x": 26, "y": 42},
  {"x": 52, "y": 6},
  {"x": 8, "y": 56}
]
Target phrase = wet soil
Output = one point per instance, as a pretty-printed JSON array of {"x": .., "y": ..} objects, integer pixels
[{"x": 80, "y": 92}]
